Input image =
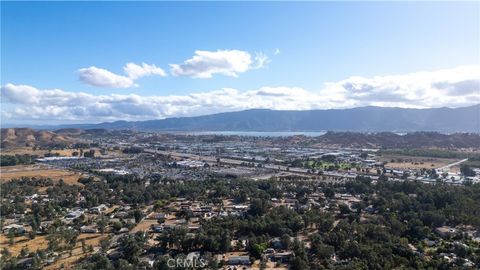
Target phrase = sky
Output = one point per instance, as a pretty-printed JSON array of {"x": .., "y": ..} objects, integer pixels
[{"x": 88, "y": 62}]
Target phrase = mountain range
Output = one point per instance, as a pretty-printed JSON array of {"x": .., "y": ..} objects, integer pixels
[{"x": 361, "y": 119}]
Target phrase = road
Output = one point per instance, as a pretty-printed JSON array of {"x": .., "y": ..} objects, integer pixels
[{"x": 452, "y": 164}]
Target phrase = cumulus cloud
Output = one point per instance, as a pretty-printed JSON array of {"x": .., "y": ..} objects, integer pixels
[
  {"x": 100, "y": 77},
  {"x": 135, "y": 71},
  {"x": 204, "y": 64},
  {"x": 451, "y": 87},
  {"x": 448, "y": 87}
]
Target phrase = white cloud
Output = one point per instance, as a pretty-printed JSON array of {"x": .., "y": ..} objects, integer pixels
[
  {"x": 204, "y": 64},
  {"x": 451, "y": 87},
  {"x": 135, "y": 71},
  {"x": 100, "y": 77},
  {"x": 260, "y": 60},
  {"x": 103, "y": 78},
  {"x": 277, "y": 51},
  {"x": 448, "y": 87}
]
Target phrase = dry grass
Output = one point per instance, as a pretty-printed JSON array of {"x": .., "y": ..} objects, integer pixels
[
  {"x": 63, "y": 153},
  {"x": 414, "y": 163},
  {"x": 144, "y": 225},
  {"x": 270, "y": 265},
  {"x": 68, "y": 262},
  {"x": 40, "y": 153},
  {"x": 38, "y": 170},
  {"x": 40, "y": 242}
]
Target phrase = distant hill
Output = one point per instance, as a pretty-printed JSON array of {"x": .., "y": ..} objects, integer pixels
[
  {"x": 70, "y": 131},
  {"x": 363, "y": 119},
  {"x": 391, "y": 140},
  {"x": 21, "y": 137}
]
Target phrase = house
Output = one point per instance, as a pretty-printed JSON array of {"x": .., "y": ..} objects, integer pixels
[
  {"x": 445, "y": 231},
  {"x": 239, "y": 207},
  {"x": 276, "y": 243},
  {"x": 180, "y": 221},
  {"x": 156, "y": 216},
  {"x": 290, "y": 201},
  {"x": 206, "y": 208},
  {"x": 123, "y": 230},
  {"x": 17, "y": 229},
  {"x": 114, "y": 254},
  {"x": 194, "y": 219},
  {"x": 239, "y": 260},
  {"x": 44, "y": 225},
  {"x": 88, "y": 229},
  {"x": 129, "y": 220},
  {"x": 167, "y": 227},
  {"x": 193, "y": 228},
  {"x": 73, "y": 215},
  {"x": 283, "y": 257},
  {"x": 157, "y": 228},
  {"x": 121, "y": 214},
  {"x": 25, "y": 263},
  {"x": 98, "y": 209},
  {"x": 269, "y": 251}
]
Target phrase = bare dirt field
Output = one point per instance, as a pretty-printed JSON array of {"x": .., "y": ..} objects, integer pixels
[
  {"x": 408, "y": 162},
  {"x": 63, "y": 152},
  {"x": 144, "y": 225},
  {"x": 40, "y": 153},
  {"x": 38, "y": 170}
]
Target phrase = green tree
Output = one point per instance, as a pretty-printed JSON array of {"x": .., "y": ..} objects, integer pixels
[
  {"x": 466, "y": 170},
  {"x": 138, "y": 215}
]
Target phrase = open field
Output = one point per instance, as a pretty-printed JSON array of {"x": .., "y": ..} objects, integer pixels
[
  {"x": 67, "y": 262},
  {"x": 40, "y": 153},
  {"x": 270, "y": 265},
  {"x": 409, "y": 162},
  {"x": 144, "y": 225},
  {"x": 38, "y": 170},
  {"x": 40, "y": 242},
  {"x": 23, "y": 241},
  {"x": 62, "y": 152}
]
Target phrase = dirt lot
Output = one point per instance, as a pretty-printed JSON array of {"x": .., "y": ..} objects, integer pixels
[
  {"x": 63, "y": 153},
  {"x": 38, "y": 170},
  {"x": 144, "y": 225},
  {"x": 407, "y": 162},
  {"x": 40, "y": 153}
]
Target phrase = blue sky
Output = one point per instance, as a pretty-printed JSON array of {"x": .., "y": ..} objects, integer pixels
[{"x": 312, "y": 50}]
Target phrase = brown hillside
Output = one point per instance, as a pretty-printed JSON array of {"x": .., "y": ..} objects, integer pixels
[{"x": 21, "y": 137}]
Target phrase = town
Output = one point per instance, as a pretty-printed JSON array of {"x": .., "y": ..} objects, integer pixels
[{"x": 146, "y": 200}]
